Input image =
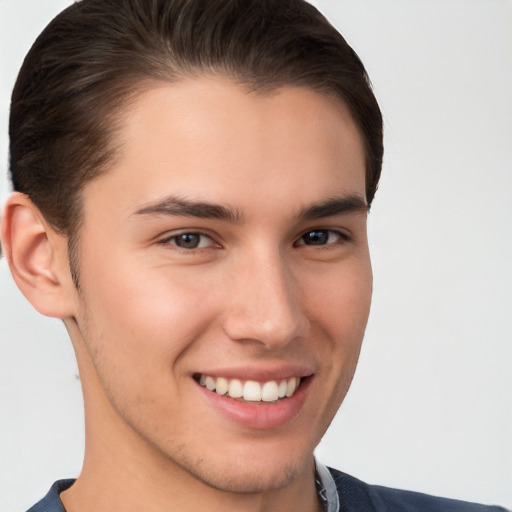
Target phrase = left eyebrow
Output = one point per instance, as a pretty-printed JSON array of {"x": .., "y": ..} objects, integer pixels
[{"x": 335, "y": 206}]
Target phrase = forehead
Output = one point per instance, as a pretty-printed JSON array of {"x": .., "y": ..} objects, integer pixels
[{"x": 211, "y": 139}]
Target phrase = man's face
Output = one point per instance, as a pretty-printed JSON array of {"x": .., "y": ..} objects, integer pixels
[{"x": 225, "y": 248}]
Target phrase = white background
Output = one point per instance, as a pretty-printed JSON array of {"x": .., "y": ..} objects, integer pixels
[{"x": 431, "y": 405}]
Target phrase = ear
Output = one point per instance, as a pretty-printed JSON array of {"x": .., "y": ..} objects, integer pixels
[{"x": 37, "y": 257}]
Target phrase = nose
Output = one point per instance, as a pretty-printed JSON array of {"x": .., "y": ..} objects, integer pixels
[{"x": 265, "y": 304}]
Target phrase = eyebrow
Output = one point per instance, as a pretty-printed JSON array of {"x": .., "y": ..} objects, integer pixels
[
  {"x": 333, "y": 206},
  {"x": 181, "y": 207},
  {"x": 178, "y": 206}
]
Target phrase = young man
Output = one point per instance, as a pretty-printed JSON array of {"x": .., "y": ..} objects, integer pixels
[{"x": 192, "y": 182}]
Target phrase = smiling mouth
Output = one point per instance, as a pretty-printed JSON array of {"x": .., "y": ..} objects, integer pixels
[{"x": 250, "y": 390}]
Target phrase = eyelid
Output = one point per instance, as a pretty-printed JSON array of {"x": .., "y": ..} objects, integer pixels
[
  {"x": 167, "y": 239},
  {"x": 343, "y": 236}
]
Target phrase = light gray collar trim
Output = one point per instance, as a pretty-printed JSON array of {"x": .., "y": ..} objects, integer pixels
[{"x": 329, "y": 493}]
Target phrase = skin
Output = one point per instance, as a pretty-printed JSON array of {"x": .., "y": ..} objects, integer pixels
[{"x": 255, "y": 296}]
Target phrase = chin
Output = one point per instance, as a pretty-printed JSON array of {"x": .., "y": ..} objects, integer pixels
[
  {"x": 250, "y": 480},
  {"x": 248, "y": 475}
]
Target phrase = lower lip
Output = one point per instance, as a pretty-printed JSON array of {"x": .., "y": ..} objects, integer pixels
[{"x": 258, "y": 415}]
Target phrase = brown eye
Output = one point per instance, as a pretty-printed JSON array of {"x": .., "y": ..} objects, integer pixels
[
  {"x": 320, "y": 237},
  {"x": 190, "y": 240}
]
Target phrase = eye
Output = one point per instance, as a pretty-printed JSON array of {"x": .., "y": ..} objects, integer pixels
[
  {"x": 189, "y": 241},
  {"x": 321, "y": 237}
]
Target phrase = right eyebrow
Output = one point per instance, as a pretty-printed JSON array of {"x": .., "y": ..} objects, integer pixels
[{"x": 178, "y": 206}]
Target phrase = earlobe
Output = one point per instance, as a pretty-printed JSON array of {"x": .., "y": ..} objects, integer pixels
[{"x": 37, "y": 257}]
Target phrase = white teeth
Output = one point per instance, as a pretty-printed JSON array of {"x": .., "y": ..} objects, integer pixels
[
  {"x": 236, "y": 389},
  {"x": 210, "y": 383},
  {"x": 251, "y": 390},
  {"x": 291, "y": 386},
  {"x": 269, "y": 391},
  {"x": 221, "y": 386},
  {"x": 282, "y": 389}
]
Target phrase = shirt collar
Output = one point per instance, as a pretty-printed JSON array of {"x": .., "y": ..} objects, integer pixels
[{"x": 327, "y": 488}]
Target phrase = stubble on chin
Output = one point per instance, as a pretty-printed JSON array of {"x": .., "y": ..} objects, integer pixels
[{"x": 245, "y": 478}]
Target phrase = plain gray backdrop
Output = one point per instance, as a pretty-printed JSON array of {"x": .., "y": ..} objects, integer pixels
[{"x": 430, "y": 408}]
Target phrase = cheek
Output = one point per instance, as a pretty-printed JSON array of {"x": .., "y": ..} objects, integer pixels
[
  {"x": 342, "y": 303},
  {"x": 341, "y": 310},
  {"x": 137, "y": 329},
  {"x": 143, "y": 320}
]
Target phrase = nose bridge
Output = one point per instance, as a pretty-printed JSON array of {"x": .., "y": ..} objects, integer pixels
[{"x": 266, "y": 305}]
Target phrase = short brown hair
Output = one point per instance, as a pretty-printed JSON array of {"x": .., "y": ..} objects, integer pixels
[{"x": 94, "y": 56}]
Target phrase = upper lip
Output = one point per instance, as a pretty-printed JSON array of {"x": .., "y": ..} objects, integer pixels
[{"x": 259, "y": 373}]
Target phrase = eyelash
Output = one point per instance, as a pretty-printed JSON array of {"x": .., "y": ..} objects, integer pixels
[
  {"x": 175, "y": 238},
  {"x": 318, "y": 234}
]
